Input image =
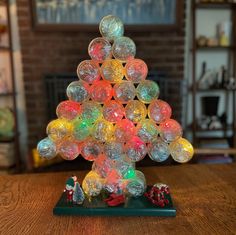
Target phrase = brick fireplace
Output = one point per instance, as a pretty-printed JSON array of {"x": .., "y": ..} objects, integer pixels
[{"x": 60, "y": 52}]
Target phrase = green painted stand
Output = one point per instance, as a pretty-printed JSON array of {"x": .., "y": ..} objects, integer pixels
[{"x": 97, "y": 207}]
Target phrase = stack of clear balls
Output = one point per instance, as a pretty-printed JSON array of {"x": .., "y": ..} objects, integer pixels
[{"x": 114, "y": 118}]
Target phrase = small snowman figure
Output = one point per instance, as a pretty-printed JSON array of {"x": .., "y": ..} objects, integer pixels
[
  {"x": 78, "y": 195},
  {"x": 69, "y": 189}
]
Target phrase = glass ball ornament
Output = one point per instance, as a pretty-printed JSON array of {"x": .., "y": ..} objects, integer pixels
[
  {"x": 102, "y": 165},
  {"x": 91, "y": 149},
  {"x": 82, "y": 129},
  {"x": 135, "y": 111},
  {"x": 99, "y": 49},
  {"x": 137, "y": 185},
  {"x": 113, "y": 150},
  {"x": 68, "y": 150},
  {"x": 78, "y": 91},
  {"x": 103, "y": 131},
  {"x": 91, "y": 111},
  {"x": 159, "y": 111},
  {"x": 59, "y": 129},
  {"x": 136, "y": 70},
  {"x": 112, "y": 70},
  {"x": 113, "y": 182},
  {"x": 147, "y": 130},
  {"x": 88, "y": 71},
  {"x": 111, "y": 27},
  {"x": 124, "y": 91},
  {"x": 68, "y": 109},
  {"x": 181, "y": 150},
  {"x": 113, "y": 111},
  {"x": 125, "y": 167},
  {"x": 46, "y": 148},
  {"x": 170, "y": 130},
  {"x": 123, "y": 49},
  {"x": 135, "y": 149},
  {"x": 124, "y": 130},
  {"x": 158, "y": 150},
  {"x": 92, "y": 184},
  {"x": 147, "y": 91},
  {"x": 101, "y": 91}
]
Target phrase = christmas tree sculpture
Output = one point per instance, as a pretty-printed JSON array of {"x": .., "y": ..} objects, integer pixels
[{"x": 114, "y": 118}]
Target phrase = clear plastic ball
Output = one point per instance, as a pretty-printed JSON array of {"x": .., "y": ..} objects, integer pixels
[
  {"x": 125, "y": 167},
  {"x": 112, "y": 70},
  {"x": 158, "y": 150},
  {"x": 91, "y": 111},
  {"x": 47, "y": 148},
  {"x": 92, "y": 184},
  {"x": 99, "y": 49},
  {"x": 68, "y": 150},
  {"x": 111, "y": 27},
  {"x": 147, "y": 130},
  {"x": 137, "y": 185},
  {"x": 78, "y": 91},
  {"x": 135, "y": 111},
  {"x": 113, "y": 150},
  {"x": 113, "y": 182},
  {"x": 135, "y": 149},
  {"x": 91, "y": 149},
  {"x": 68, "y": 109},
  {"x": 103, "y": 131},
  {"x": 113, "y": 111},
  {"x": 181, "y": 150},
  {"x": 147, "y": 91},
  {"x": 170, "y": 130},
  {"x": 59, "y": 129},
  {"x": 124, "y": 130},
  {"x": 103, "y": 166},
  {"x": 82, "y": 129},
  {"x": 101, "y": 91},
  {"x": 136, "y": 70},
  {"x": 159, "y": 111},
  {"x": 124, "y": 91},
  {"x": 88, "y": 71},
  {"x": 123, "y": 49}
]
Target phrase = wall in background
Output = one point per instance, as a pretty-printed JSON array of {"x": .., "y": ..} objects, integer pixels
[{"x": 60, "y": 52}]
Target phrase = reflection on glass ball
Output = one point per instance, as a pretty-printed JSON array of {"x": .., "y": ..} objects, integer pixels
[
  {"x": 124, "y": 130},
  {"x": 135, "y": 149},
  {"x": 158, "y": 150},
  {"x": 147, "y": 130},
  {"x": 47, "y": 148},
  {"x": 113, "y": 111},
  {"x": 91, "y": 111},
  {"x": 170, "y": 130},
  {"x": 159, "y": 111},
  {"x": 91, "y": 149},
  {"x": 147, "y": 91},
  {"x": 136, "y": 70},
  {"x": 68, "y": 150},
  {"x": 88, "y": 71},
  {"x": 102, "y": 166},
  {"x": 78, "y": 91},
  {"x": 123, "y": 49},
  {"x": 124, "y": 91},
  {"x": 112, "y": 70},
  {"x": 59, "y": 129},
  {"x": 99, "y": 49},
  {"x": 181, "y": 150},
  {"x": 111, "y": 27},
  {"x": 135, "y": 111},
  {"x": 103, "y": 131},
  {"x": 82, "y": 129},
  {"x": 68, "y": 109},
  {"x": 113, "y": 150},
  {"x": 101, "y": 91}
]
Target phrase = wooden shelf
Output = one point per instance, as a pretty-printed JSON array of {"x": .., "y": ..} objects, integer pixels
[
  {"x": 7, "y": 139},
  {"x": 215, "y": 5},
  {"x": 211, "y": 89},
  {"x": 2, "y": 3},
  {"x": 5, "y": 48},
  {"x": 208, "y": 151},
  {"x": 7, "y": 94},
  {"x": 213, "y": 48}
]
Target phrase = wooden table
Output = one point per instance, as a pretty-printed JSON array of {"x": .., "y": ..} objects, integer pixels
[{"x": 204, "y": 195}]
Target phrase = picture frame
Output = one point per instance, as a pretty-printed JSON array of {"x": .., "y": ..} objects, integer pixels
[{"x": 137, "y": 15}]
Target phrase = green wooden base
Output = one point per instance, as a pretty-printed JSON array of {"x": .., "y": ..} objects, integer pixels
[{"x": 132, "y": 207}]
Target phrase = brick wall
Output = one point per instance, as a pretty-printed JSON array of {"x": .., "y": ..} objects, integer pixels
[{"x": 56, "y": 52}]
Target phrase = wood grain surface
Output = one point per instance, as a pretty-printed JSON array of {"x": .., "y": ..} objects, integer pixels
[{"x": 204, "y": 196}]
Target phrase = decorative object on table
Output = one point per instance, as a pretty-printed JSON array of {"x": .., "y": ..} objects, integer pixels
[
  {"x": 115, "y": 199},
  {"x": 70, "y": 188},
  {"x": 224, "y": 33},
  {"x": 6, "y": 123},
  {"x": 113, "y": 134},
  {"x": 202, "y": 41},
  {"x": 74, "y": 14},
  {"x": 78, "y": 195}
]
